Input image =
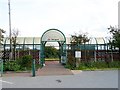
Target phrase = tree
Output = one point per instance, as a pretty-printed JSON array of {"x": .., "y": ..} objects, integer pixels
[
  {"x": 15, "y": 33},
  {"x": 76, "y": 40},
  {"x": 116, "y": 36},
  {"x": 79, "y": 38}
]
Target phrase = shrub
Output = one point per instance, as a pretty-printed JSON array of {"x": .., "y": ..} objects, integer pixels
[
  {"x": 25, "y": 62},
  {"x": 69, "y": 66},
  {"x": 22, "y": 64},
  {"x": 51, "y": 52},
  {"x": 114, "y": 64},
  {"x": 82, "y": 66},
  {"x": 37, "y": 66},
  {"x": 11, "y": 66},
  {"x": 100, "y": 64}
]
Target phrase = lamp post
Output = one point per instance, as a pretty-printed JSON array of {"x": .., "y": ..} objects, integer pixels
[{"x": 10, "y": 29}]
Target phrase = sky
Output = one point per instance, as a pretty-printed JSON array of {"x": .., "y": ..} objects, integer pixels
[{"x": 33, "y": 17}]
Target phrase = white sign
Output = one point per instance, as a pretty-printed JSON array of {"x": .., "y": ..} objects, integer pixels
[
  {"x": 53, "y": 35},
  {"x": 77, "y": 54}
]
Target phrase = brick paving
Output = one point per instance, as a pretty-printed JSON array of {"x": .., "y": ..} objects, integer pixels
[
  {"x": 50, "y": 68},
  {"x": 53, "y": 68}
]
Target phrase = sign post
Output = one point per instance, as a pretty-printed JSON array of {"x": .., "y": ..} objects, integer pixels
[{"x": 77, "y": 57}]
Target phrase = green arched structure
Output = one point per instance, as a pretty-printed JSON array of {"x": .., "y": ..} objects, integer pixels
[{"x": 53, "y": 35}]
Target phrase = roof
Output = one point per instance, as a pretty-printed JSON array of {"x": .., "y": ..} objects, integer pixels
[{"x": 37, "y": 40}]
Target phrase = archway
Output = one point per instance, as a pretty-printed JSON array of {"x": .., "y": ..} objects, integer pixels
[{"x": 53, "y": 35}]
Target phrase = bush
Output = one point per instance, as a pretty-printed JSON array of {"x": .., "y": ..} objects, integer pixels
[
  {"x": 99, "y": 65},
  {"x": 37, "y": 66},
  {"x": 11, "y": 66},
  {"x": 22, "y": 64},
  {"x": 114, "y": 64},
  {"x": 82, "y": 66},
  {"x": 69, "y": 66},
  {"x": 25, "y": 62},
  {"x": 51, "y": 52}
]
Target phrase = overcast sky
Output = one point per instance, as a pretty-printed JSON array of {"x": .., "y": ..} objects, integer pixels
[{"x": 34, "y": 17}]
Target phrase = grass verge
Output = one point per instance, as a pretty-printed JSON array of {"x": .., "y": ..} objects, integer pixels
[{"x": 92, "y": 66}]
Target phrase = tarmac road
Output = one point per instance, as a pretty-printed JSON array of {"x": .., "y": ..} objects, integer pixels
[{"x": 84, "y": 79}]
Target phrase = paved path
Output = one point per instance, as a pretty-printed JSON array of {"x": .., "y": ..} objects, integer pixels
[{"x": 53, "y": 68}]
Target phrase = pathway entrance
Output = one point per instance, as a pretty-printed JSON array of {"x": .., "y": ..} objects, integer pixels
[
  {"x": 53, "y": 35},
  {"x": 53, "y": 68}
]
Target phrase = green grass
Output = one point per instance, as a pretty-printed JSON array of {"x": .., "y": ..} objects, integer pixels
[{"x": 96, "y": 69}]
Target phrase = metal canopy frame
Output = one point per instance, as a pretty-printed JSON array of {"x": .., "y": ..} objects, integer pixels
[
  {"x": 51, "y": 38},
  {"x": 99, "y": 48}
]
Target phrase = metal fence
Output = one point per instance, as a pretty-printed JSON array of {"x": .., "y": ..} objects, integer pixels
[
  {"x": 20, "y": 53},
  {"x": 97, "y": 49}
]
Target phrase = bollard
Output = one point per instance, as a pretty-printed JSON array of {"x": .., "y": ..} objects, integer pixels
[
  {"x": 33, "y": 67},
  {"x": 1, "y": 66}
]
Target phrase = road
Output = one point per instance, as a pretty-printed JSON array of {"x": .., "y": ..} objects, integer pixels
[{"x": 84, "y": 79}]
